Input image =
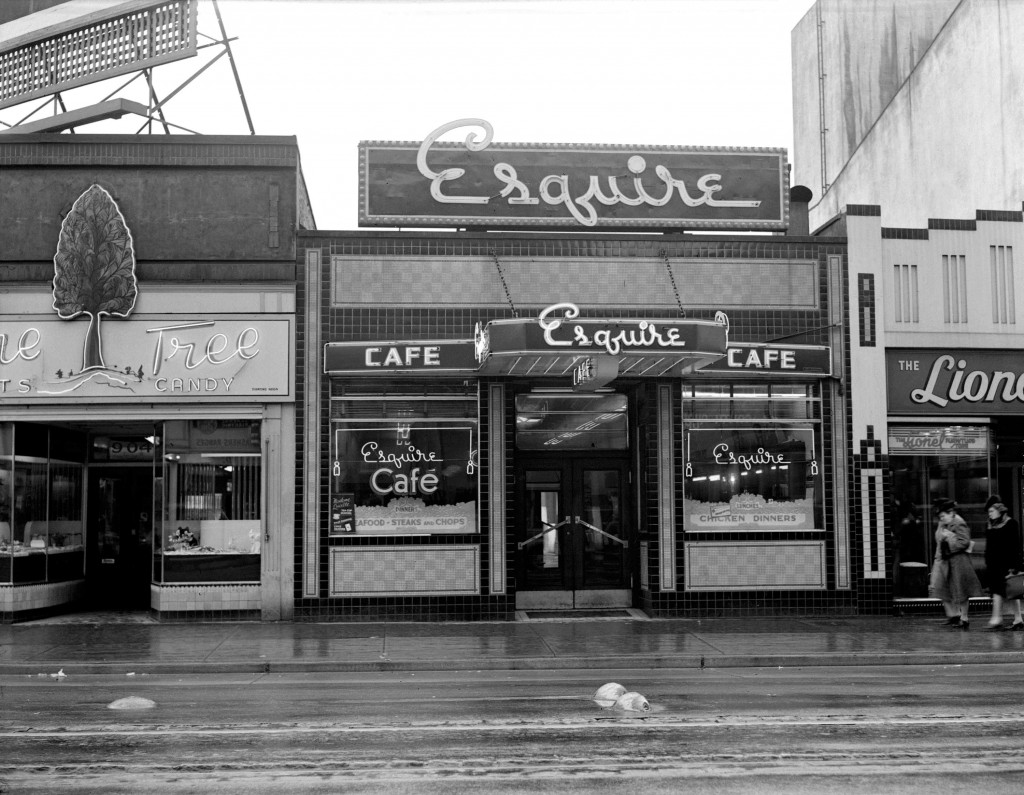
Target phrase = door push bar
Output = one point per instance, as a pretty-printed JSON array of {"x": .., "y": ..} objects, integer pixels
[
  {"x": 625, "y": 544},
  {"x": 550, "y": 528}
]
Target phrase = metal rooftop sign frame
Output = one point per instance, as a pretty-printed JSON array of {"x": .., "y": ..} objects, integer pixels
[{"x": 79, "y": 43}]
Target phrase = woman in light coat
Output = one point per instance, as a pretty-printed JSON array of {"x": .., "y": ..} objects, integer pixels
[{"x": 953, "y": 579}]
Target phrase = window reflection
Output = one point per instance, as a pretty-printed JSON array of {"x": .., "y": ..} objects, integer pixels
[
  {"x": 210, "y": 499},
  {"x": 752, "y": 478},
  {"x": 571, "y": 422},
  {"x": 41, "y": 477}
]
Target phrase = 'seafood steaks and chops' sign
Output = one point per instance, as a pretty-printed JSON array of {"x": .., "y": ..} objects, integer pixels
[{"x": 583, "y": 186}]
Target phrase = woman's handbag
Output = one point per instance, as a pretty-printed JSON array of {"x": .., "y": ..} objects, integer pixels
[{"x": 1014, "y": 586}]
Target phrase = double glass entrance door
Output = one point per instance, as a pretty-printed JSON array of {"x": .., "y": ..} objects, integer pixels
[{"x": 573, "y": 536}]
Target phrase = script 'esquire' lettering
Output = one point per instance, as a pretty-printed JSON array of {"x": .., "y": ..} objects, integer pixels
[
  {"x": 723, "y": 455},
  {"x": 372, "y": 453},
  {"x": 554, "y": 188},
  {"x": 645, "y": 335}
]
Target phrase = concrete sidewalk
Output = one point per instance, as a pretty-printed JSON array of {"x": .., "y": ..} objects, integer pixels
[{"x": 142, "y": 646}]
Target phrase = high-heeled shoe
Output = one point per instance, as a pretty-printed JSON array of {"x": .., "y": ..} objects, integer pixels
[
  {"x": 996, "y": 627},
  {"x": 965, "y": 625},
  {"x": 1017, "y": 626},
  {"x": 952, "y": 621}
]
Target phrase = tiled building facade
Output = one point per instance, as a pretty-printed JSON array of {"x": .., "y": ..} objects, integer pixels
[{"x": 683, "y": 541}]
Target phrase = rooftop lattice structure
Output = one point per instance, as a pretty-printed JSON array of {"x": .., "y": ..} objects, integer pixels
[{"x": 46, "y": 55}]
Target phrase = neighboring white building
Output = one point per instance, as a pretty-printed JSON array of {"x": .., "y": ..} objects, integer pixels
[
  {"x": 937, "y": 382},
  {"x": 908, "y": 121},
  {"x": 913, "y": 105}
]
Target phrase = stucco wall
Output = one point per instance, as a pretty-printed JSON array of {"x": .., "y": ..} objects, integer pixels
[{"x": 873, "y": 55}]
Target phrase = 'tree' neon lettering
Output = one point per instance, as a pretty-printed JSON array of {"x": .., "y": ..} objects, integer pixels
[
  {"x": 554, "y": 189},
  {"x": 215, "y": 351}
]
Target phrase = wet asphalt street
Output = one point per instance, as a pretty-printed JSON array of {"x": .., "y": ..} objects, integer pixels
[{"x": 863, "y": 728}]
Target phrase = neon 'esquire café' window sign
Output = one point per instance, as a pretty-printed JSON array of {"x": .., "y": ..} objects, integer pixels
[{"x": 392, "y": 477}]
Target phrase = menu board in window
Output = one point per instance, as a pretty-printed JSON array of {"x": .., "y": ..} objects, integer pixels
[
  {"x": 753, "y": 478},
  {"x": 395, "y": 477}
]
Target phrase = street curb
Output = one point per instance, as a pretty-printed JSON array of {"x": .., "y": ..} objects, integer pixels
[{"x": 692, "y": 662}]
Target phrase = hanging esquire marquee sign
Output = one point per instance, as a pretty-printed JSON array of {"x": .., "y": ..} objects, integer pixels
[
  {"x": 558, "y": 342},
  {"x": 590, "y": 186},
  {"x": 559, "y": 339}
]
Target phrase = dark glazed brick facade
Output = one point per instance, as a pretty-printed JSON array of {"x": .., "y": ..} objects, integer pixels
[
  {"x": 901, "y": 233},
  {"x": 865, "y": 210},
  {"x": 1011, "y": 216},
  {"x": 867, "y": 308},
  {"x": 366, "y": 323},
  {"x": 953, "y": 224}
]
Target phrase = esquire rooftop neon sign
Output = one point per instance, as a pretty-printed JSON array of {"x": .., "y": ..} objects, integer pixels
[{"x": 480, "y": 183}]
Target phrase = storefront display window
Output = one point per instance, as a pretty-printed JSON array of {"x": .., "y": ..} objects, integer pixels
[
  {"x": 743, "y": 475},
  {"x": 403, "y": 465},
  {"x": 6, "y": 500},
  {"x": 751, "y": 477},
  {"x": 929, "y": 463},
  {"x": 404, "y": 477},
  {"x": 749, "y": 401},
  {"x": 41, "y": 537},
  {"x": 210, "y": 497}
]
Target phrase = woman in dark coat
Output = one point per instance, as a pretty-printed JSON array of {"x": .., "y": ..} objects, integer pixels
[
  {"x": 953, "y": 579},
  {"x": 1002, "y": 555}
]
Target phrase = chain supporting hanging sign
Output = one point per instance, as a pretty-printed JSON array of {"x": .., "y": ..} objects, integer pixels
[
  {"x": 672, "y": 278},
  {"x": 504, "y": 284}
]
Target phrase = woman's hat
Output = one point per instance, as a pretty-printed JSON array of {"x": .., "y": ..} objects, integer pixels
[
  {"x": 993, "y": 500},
  {"x": 944, "y": 505}
]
